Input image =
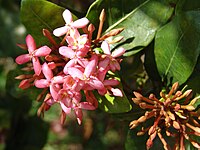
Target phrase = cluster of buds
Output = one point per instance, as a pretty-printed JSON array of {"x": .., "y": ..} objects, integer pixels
[
  {"x": 76, "y": 66},
  {"x": 174, "y": 115}
]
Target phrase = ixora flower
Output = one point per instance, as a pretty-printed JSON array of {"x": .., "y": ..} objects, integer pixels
[
  {"x": 71, "y": 70},
  {"x": 67, "y": 16},
  {"x": 33, "y": 55},
  {"x": 113, "y": 63},
  {"x": 174, "y": 115}
]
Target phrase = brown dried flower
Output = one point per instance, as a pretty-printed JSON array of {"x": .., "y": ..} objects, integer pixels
[{"x": 174, "y": 114}]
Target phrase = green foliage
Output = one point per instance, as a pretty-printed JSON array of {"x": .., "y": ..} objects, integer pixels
[
  {"x": 162, "y": 42},
  {"x": 177, "y": 46},
  {"x": 37, "y": 15},
  {"x": 139, "y": 18},
  {"x": 114, "y": 104}
]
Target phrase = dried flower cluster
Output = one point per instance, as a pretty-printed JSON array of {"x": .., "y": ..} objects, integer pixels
[
  {"x": 174, "y": 115},
  {"x": 77, "y": 65}
]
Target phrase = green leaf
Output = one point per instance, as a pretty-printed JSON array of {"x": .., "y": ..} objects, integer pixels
[
  {"x": 177, "y": 46},
  {"x": 188, "y": 5},
  {"x": 114, "y": 104},
  {"x": 139, "y": 18},
  {"x": 37, "y": 15}
]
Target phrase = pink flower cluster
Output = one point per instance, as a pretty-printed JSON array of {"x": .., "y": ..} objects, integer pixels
[{"x": 70, "y": 69}]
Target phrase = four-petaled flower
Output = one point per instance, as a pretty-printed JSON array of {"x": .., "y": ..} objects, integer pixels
[
  {"x": 111, "y": 57},
  {"x": 33, "y": 55},
  {"x": 70, "y": 25},
  {"x": 51, "y": 81}
]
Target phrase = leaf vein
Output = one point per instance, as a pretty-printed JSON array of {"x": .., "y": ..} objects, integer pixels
[
  {"x": 125, "y": 17},
  {"x": 40, "y": 19},
  {"x": 172, "y": 58}
]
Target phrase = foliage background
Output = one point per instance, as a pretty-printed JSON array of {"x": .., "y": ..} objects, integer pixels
[{"x": 166, "y": 49}]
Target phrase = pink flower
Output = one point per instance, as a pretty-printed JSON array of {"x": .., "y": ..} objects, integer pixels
[
  {"x": 67, "y": 16},
  {"x": 108, "y": 84},
  {"x": 79, "y": 43},
  {"x": 114, "y": 64},
  {"x": 87, "y": 78},
  {"x": 33, "y": 55},
  {"x": 91, "y": 98},
  {"x": 51, "y": 81},
  {"x": 70, "y": 100}
]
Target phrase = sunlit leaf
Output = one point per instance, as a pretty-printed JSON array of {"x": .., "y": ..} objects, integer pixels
[
  {"x": 139, "y": 18},
  {"x": 177, "y": 46},
  {"x": 37, "y": 15},
  {"x": 114, "y": 104}
]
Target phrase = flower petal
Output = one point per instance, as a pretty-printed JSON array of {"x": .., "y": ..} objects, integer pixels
[
  {"x": 30, "y": 43},
  {"x": 75, "y": 73},
  {"x": 80, "y": 23},
  {"x": 91, "y": 66},
  {"x": 95, "y": 83},
  {"x": 111, "y": 82},
  {"x": 42, "y": 83},
  {"x": 104, "y": 63},
  {"x": 79, "y": 115},
  {"x": 106, "y": 48},
  {"x": 67, "y": 16},
  {"x": 116, "y": 92},
  {"x": 22, "y": 59},
  {"x": 24, "y": 84},
  {"x": 65, "y": 109},
  {"x": 42, "y": 51},
  {"x": 67, "y": 52},
  {"x": 87, "y": 106},
  {"x": 118, "y": 52},
  {"x": 50, "y": 101},
  {"x": 71, "y": 63},
  {"x": 60, "y": 31},
  {"x": 54, "y": 91},
  {"x": 74, "y": 34},
  {"x": 58, "y": 79},
  {"x": 47, "y": 71},
  {"x": 36, "y": 65}
]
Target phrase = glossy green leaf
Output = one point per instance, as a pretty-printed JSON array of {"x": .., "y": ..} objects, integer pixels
[
  {"x": 139, "y": 18},
  {"x": 37, "y": 15},
  {"x": 177, "y": 46},
  {"x": 114, "y": 104}
]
